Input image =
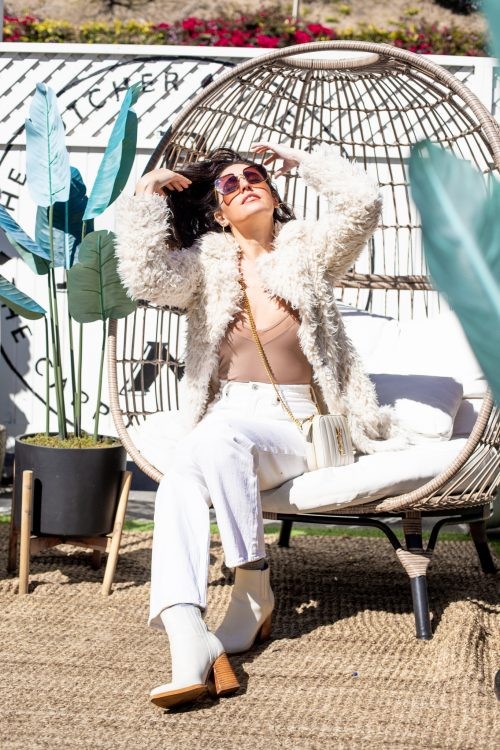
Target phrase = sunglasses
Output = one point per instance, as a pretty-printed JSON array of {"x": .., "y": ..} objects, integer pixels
[{"x": 229, "y": 183}]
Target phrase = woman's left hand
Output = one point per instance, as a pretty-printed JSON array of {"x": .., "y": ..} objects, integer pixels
[{"x": 291, "y": 156}]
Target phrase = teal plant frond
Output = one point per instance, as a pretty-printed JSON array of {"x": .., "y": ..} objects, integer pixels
[
  {"x": 491, "y": 9},
  {"x": 118, "y": 158},
  {"x": 47, "y": 160},
  {"x": 67, "y": 223},
  {"x": 18, "y": 237},
  {"x": 95, "y": 291},
  {"x": 38, "y": 265},
  {"x": 19, "y": 302},
  {"x": 461, "y": 232}
]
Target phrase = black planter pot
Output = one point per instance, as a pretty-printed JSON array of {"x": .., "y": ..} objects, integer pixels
[{"x": 75, "y": 489}]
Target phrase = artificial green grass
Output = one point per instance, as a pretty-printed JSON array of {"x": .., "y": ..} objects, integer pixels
[
  {"x": 335, "y": 531},
  {"x": 298, "y": 530}
]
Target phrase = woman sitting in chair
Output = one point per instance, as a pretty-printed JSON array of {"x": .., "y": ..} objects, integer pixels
[{"x": 215, "y": 240}]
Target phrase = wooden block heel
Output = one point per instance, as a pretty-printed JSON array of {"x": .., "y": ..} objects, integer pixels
[
  {"x": 265, "y": 630},
  {"x": 224, "y": 679}
]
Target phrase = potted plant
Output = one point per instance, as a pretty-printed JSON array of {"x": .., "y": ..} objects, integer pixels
[{"x": 76, "y": 472}]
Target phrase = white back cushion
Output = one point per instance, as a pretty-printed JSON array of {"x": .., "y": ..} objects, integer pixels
[
  {"x": 426, "y": 404},
  {"x": 422, "y": 368},
  {"x": 431, "y": 346}
]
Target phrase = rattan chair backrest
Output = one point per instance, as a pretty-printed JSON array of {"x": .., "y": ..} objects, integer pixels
[{"x": 373, "y": 103}]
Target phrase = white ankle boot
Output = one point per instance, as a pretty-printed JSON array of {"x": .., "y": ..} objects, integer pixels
[
  {"x": 248, "y": 616},
  {"x": 199, "y": 664}
]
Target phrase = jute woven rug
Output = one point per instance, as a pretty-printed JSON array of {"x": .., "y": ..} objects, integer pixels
[{"x": 343, "y": 669}]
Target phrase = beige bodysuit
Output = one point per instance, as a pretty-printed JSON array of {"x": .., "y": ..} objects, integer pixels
[{"x": 239, "y": 359}]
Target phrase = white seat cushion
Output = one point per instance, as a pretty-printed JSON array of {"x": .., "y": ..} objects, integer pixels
[
  {"x": 369, "y": 478},
  {"x": 420, "y": 367}
]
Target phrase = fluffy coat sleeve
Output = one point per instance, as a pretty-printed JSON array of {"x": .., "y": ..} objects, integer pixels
[
  {"x": 336, "y": 239},
  {"x": 148, "y": 268}
]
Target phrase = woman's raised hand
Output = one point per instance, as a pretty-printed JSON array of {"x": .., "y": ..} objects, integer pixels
[
  {"x": 153, "y": 182},
  {"x": 291, "y": 156}
]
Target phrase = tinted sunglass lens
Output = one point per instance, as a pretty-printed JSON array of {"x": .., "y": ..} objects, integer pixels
[
  {"x": 227, "y": 184},
  {"x": 253, "y": 175}
]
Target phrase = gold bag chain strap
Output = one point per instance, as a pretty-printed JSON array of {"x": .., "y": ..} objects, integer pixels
[{"x": 299, "y": 422}]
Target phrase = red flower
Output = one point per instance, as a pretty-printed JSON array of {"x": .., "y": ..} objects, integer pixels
[
  {"x": 301, "y": 37},
  {"x": 238, "y": 38},
  {"x": 190, "y": 24},
  {"x": 263, "y": 40},
  {"x": 317, "y": 29}
]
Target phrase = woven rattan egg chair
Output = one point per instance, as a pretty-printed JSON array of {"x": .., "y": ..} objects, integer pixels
[{"x": 373, "y": 101}]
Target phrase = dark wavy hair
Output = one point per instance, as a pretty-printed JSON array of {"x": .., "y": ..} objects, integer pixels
[{"x": 193, "y": 209}]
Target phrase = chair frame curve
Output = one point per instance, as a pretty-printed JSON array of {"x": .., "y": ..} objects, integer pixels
[{"x": 418, "y": 62}]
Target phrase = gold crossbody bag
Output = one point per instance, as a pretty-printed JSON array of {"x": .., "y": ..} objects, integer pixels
[{"x": 328, "y": 438}]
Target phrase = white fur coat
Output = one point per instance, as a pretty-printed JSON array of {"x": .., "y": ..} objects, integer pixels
[{"x": 307, "y": 259}]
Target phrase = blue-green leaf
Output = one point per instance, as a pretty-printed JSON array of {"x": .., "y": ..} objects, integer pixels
[
  {"x": 67, "y": 223},
  {"x": 37, "y": 264},
  {"x": 118, "y": 158},
  {"x": 95, "y": 291},
  {"x": 491, "y": 9},
  {"x": 18, "y": 237},
  {"x": 461, "y": 231},
  {"x": 47, "y": 161},
  {"x": 19, "y": 302}
]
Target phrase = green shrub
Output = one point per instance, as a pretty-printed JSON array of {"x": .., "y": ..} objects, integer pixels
[
  {"x": 120, "y": 32},
  {"x": 54, "y": 31},
  {"x": 422, "y": 37}
]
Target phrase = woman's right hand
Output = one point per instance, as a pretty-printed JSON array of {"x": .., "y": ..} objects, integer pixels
[
  {"x": 152, "y": 183},
  {"x": 291, "y": 156}
]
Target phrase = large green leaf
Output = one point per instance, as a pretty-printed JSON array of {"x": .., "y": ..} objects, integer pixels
[
  {"x": 19, "y": 302},
  {"x": 461, "y": 230},
  {"x": 47, "y": 161},
  {"x": 18, "y": 237},
  {"x": 67, "y": 222},
  {"x": 95, "y": 291},
  {"x": 491, "y": 9},
  {"x": 118, "y": 158}
]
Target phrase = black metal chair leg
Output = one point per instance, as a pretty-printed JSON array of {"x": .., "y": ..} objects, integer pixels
[
  {"x": 421, "y": 608},
  {"x": 284, "y": 537},
  {"x": 478, "y": 534}
]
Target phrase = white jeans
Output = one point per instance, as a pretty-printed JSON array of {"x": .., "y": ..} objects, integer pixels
[{"x": 245, "y": 443}]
